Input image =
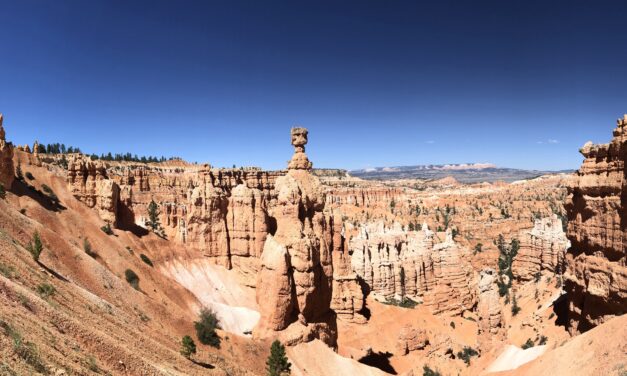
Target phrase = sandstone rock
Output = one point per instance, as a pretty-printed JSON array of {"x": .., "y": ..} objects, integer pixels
[
  {"x": 7, "y": 170},
  {"x": 88, "y": 182},
  {"x": 299, "y": 160},
  {"x": 491, "y": 324},
  {"x": 596, "y": 274},
  {"x": 411, "y": 339},
  {"x": 301, "y": 229},
  {"x": 395, "y": 263},
  {"x": 542, "y": 249}
]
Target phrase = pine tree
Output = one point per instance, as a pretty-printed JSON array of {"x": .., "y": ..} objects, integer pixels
[
  {"x": 153, "y": 218},
  {"x": 18, "y": 172},
  {"x": 188, "y": 347},
  {"x": 2, "y": 191},
  {"x": 35, "y": 247},
  {"x": 277, "y": 363}
]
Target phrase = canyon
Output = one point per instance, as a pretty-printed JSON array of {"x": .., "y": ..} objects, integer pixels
[{"x": 354, "y": 276}]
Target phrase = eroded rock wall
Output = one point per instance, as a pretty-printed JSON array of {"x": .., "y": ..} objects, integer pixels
[
  {"x": 596, "y": 274},
  {"x": 7, "y": 170},
  {"x": 542, "y": 250},
  {"x": 395, "y": 263}
]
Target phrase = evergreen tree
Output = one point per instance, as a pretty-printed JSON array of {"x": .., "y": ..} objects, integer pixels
[
  {"x": 18, "y": 172},
  {"x": 153, "y": 218},
  {"x": 35, "y": 247},
  {"x": 2, "y": 191},
  {"x": 206, "y": 328},
  {"x": 277, "y": 363},
  {"x": 188, "y": 347}
]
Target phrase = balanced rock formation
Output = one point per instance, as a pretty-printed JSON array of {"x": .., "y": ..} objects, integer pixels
[
  {"x": 596, "y": 274},
  {"x": 294, "y": 283},
  {"x": 542, "y": 249},
  {"x": 395, "y": 263},
  {"x": 490, "y": 323},
  {"x": 7, "y": 171}
]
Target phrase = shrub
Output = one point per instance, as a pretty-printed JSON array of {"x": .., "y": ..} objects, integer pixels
[
  {"x": 29, "y": 176},
  {"x": 206, "y": 328},
  {"x": 527, "y": 344},
  {"x": 46, "y": 290},
  {"x": 188, "y": 347},
  {"x": 25, "y": 350},
  {"x": 88, "y": 249},
  {"x": 466, "y": 354},
  {"x": 542, "y": 341},
  {"x": 35, "y": 247},
  {"x": 403, "y": 303},
  {"x": 537, "y": 277},
  {"x": 426, "y": 371},
  {"x": 107, "y": 229},
  {"x": 145, "y": 259},
  {"x": 478, "y": 247},
  {"x": 277, "y": 363},
  {"x": 3, "y": 193},
  {"x": 7, "y": 270},
  {"x": 515, "y": 307},
  {"x": 50, "y": 193},
  {"x": 452, "y": 324},
  {"x": 91, "y": 364},
  {"x": 132, "y": 278}
]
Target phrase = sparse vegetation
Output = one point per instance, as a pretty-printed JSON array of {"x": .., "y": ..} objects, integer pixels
[
  {"x": 466, "y": 354},
  {"x": 277, "y": 363},
  {"x": 35, "y": 247},
  {"x": 107, "y": 229},
  {"x": 46, "y": 290},
  {"x": 528, "y": 344},
  {"x": 478, "y": 248},
  {"x": 50, "y": 193},
  {"x": 542, "y": 341},
  {"x": 507, "y": 253},
  {"x": 206, "y": 328},
  {"x": 132, "y": 278},
  {"x": 452, "y": 324},
  {"x": 188, "y": 347},
  {"x": 3, "y": 193},
  {"x": 7, "y": 271},
  {"x": 92, "y": 364},
  {"x": 87, "y": 248},
  {"x": 26, "y": 350},
  {"x": 146, "y": 259},
  {"x": 427, "y": 371},
  {"x": 515, "y": 307},
  {"x": 405, "y": 302}
]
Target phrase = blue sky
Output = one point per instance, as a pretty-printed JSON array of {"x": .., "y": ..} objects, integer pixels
[{"x": 378, "y": 83}]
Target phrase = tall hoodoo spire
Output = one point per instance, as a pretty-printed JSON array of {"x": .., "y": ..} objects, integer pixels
[{"x": 2, "y": 133}]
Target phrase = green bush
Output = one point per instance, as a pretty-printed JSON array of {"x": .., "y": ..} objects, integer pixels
[
  {"x": 46, "y": 290},
  {"x": 87, "y": 247},
  {"x": 146, "y": 259},
  {"x": 132, "y": 278},
  {"x": 107, "y": 229},
  {"x": 35, "y": 247},
  {"x": 405, "y": 302},
  {"x": 277, "y": 363},
  {"x": 466, "y": 354},
  {"x": 515, "y": 307},
  {"x": 206, "y": 328},
  {"x": 426, "y": 371},
  {"x": 50, "y": 193},
  {"x": 188, "y": 347},
  {"x": 527, "y": 344},
  {"x": 542, "y": 341}
]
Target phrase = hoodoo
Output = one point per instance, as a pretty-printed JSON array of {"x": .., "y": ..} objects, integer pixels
[
  {"x": 294, "y": 283},
  {"x": 596, "y": 275},
  {"x": 7, "y": 174}
]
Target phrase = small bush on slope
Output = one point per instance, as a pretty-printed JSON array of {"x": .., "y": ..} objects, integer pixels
[
  {"x": 206, "y": 328},
  {"x": 132, "y": 278}
]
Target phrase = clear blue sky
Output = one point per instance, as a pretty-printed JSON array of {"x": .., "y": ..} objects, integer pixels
[{"x": 378, "y": 83}]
